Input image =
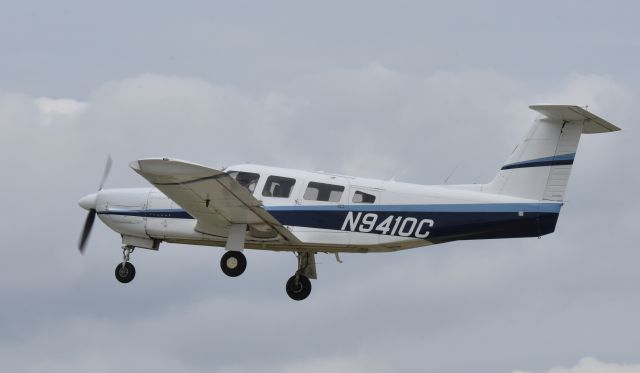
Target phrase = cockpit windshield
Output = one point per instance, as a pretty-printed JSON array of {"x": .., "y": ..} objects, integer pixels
[{"x": 248, "y": 180}]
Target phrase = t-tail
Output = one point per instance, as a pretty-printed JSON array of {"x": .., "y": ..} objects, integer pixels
[{"x": 539, "y": 167}]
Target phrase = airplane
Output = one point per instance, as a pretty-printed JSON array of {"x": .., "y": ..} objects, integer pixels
[{"x": 257, "y": 207}]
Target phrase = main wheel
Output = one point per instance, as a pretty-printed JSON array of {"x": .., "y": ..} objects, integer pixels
[
  {"x": 298, "y": 290},
  {"x": 125, "y": 274},
  {"x": 233, "y": 263}
]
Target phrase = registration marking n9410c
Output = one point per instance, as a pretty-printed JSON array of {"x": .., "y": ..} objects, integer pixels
[{"x": 405, "y": 226}]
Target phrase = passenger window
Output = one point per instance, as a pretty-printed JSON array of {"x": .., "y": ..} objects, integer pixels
[
  {"x": 246, "y": 179},
  {"x": 278, "y": 186},
  {"x": 362, "y": 197},
  {"x": 323, "y": 192}
]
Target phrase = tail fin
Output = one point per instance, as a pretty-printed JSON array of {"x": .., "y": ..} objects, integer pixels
[{"x": 539, "y": 167}]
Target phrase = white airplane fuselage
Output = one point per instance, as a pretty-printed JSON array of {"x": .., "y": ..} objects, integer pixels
[{"x": 397, "y": 216}]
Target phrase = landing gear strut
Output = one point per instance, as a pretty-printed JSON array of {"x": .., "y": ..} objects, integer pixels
[
  {"x": 233, "y": 263},
  {"x": 298, "y": 286},
  {"x": 125, "y": 271}
]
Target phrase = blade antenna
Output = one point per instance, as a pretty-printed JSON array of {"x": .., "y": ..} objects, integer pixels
[{"x": 451, "y": 174}]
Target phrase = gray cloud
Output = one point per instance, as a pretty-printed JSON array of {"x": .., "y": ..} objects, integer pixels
[
  {"x": 491, "y": 305},
  {"x": 590, "y": 364},
  {"x": 68, "y": 47}
]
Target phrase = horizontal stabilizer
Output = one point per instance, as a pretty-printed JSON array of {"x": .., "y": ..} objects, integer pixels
[{"x": 570, "y": 113}]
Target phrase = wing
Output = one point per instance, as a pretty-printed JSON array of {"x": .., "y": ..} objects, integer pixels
[{"x": 214, "y": 198}]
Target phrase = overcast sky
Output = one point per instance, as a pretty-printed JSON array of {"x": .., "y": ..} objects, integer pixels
[{"x": 411, "y": 90}]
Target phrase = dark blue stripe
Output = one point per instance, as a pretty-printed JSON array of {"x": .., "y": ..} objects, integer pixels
[
  {"x": 468, "y": 207},
  {"x": 447, "y": 225},
  {"x": 451, "y": 221},
  {"x": 557, "y": 160}
]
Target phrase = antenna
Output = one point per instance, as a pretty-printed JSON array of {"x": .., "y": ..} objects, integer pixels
[{"x": 451, "y": 174}]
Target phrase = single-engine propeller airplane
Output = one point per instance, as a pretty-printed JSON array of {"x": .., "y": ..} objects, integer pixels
[{"x": 267, "y": 208}]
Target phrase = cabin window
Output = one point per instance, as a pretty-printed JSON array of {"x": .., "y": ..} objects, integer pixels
[
  {"x": 323, "y": 192},
  {"x": 362, "y": 197},
  {"x": 278, "y": 186},
  {"x": 248, "y": 180}
]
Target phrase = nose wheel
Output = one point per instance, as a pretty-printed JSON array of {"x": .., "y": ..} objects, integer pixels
[
  {"x": 125, "y": 271},
  {"x": 233, "y": 263}
]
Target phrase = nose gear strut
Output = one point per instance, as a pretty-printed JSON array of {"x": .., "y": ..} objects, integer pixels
[{"x": 125, "y": 271}]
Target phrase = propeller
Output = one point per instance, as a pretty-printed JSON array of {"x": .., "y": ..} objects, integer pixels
[
  {"x": 88, "y": 224},
  {"x": 89, "y": 203},
  {"x": 105, "y": 174}
]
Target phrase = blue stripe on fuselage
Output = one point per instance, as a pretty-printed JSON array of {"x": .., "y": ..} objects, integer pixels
[
  {"x": 460, "y": 221},
  {"x": 451, "y": 221}
]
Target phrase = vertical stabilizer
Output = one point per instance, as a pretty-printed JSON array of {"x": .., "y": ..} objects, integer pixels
[{"x": 539, "y": 167}]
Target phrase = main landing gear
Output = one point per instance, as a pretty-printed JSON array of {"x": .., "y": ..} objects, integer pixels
[
  {"x": 299, "y": 286},
  {"x": 233, "y": 263},
  {"x": 125, "y": 271}
]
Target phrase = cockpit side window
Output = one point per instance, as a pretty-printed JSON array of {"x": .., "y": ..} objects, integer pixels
[
  {"x": 362, "y": 197},
  {"x": 323, "y": 192},
  {"x": 248, "y": 180},
  {"x": 278, "y": 186}
]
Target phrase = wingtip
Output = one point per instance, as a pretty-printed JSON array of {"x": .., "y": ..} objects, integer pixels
[
  {"x": 536, "y": 107},
  {"x": 135, "y": 165},
  {"x": 166, "y": 167},
  {"x": 148, "y": 162}
]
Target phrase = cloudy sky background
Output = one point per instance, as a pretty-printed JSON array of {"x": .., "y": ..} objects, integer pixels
[{"x": 410, "y": 90}]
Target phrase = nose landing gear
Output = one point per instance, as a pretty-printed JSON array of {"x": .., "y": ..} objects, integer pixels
[{"x": 125, "y": 271}]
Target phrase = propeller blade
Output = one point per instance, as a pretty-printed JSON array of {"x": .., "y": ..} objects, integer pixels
[
  {"x": 107, "y": 169},
  {"x": 91, "y": 217},
  {"x": 88, "y": 224}
]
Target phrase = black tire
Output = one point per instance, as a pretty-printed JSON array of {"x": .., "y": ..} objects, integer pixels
[
  {"x": 125, "y": 274},
  {"x": 233, "y": 263},
  {"x": 299, "y": 290}
]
